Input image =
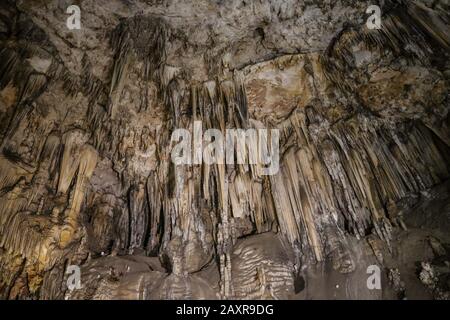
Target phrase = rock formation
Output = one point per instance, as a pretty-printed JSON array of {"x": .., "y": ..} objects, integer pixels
[{"x": 88, "y": 118}]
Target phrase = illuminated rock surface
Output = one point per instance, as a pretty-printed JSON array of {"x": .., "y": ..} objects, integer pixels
[{"x": 86, "y": 177}]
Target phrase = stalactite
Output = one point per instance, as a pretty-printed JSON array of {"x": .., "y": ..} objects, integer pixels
[
  {"x": 86, "y": 175},
  {"x": 87, "y": 163},
  {"x": 138, "y": 216},
  {"x": 73, "y": 144},
  {"x": 138, "y": 39},
  {"x": 407, "y": 27},
  {"x": 34, "y": 236}
]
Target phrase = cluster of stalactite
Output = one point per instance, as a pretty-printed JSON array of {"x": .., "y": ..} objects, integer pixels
[
  {"x": 39, "y": 240},
  {"x": 336, "y": 180},
  {"x": 409, "y": 29}
]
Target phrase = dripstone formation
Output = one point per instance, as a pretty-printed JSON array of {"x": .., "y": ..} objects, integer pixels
[{"x": 86, "y": 171}]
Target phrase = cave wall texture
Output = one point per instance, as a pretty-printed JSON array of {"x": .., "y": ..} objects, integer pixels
[{"x": 86, "y": 177}]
